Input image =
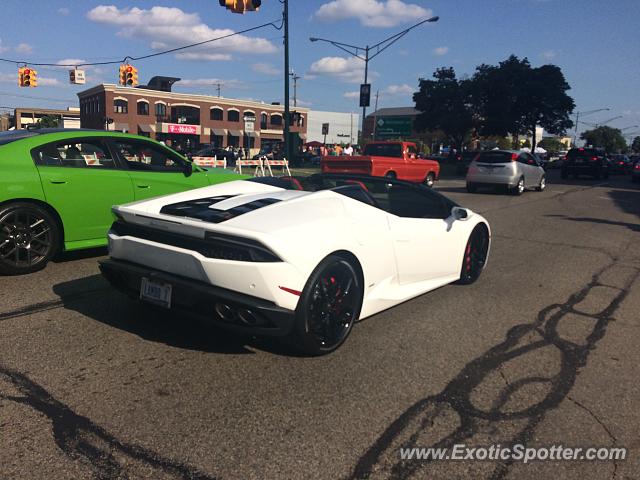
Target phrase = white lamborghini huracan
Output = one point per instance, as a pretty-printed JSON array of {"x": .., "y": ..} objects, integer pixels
[{"x": 302, "y": 257}]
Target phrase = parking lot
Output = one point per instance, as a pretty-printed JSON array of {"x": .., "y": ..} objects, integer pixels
[{"x": 542, "y": 350}]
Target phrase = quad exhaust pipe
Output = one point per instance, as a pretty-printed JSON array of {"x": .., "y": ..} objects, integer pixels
[{"x": 239, "y": 315}]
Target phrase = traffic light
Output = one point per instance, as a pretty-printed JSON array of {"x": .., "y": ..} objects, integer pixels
[
  {"x": 122, "y": 78},
  {"x": 241, "y": 6},
  {"x": 128, "y": 75},
  {"x": 27, "y": 77}
]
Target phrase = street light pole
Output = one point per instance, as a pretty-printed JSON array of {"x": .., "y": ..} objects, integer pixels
[
  {"x": 575, "y": 132},
  {"x": 378, "y": 47}
]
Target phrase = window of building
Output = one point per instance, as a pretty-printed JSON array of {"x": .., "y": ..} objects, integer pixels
[
  {"x": 120, "y": 106},
  {"x": 216, "y": 114},
  {"x": 233, "y": 116},
  {"x": 263, "y": 121},
  {"x": 185, "y": 114},
  {"x": 161, "y": 110},
  {"x": 143, "y": 108},
  {"x": 276, "y": 119}
]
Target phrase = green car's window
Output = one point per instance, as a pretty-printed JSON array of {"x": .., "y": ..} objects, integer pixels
[
  {"x": 145, "y": 156},
  {"x": 76, "y": 154}
]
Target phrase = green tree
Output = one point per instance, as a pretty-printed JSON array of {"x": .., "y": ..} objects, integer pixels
[
  {"x": 610, "y": 139},
  {"x": 551, "y": 144},
  {"x": 514, "y": 98},
  {"x": 443, "y": 103},
  {"x": 635, "y": 145},
  {"x": 48, "y": 121}
]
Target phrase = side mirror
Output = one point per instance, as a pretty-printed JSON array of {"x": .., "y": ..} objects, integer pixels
[
  {"x": 188, "y": 169},
  {"x": 459, "y": 213}
]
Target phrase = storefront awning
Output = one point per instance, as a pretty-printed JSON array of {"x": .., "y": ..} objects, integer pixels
[
  {"x": 219, "y": 131},
  {"x": 271, "y": 136},
  {"x": 235, "y": 133},
  {"x": 147, "y": 128},
  {"x": 121, "y": 127}
]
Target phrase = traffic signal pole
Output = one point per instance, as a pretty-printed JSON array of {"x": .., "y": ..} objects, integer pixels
[
  {"x": 285, "y": 21},
  {"x": 366, "y": 72}
]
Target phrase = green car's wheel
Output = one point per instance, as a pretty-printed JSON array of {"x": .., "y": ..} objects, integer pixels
[{"x": 29, "y": 237}]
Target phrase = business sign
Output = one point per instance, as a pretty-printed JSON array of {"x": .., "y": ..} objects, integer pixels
[
  {"x": 325, "y": 129},
  {"x": 183, "y": 129},
  {"x": 393, "y": 127}
]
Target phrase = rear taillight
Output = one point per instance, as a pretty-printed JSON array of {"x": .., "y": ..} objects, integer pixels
[
  {"x": 514, "y": 157},
  {"x": 594, "y": 159},
  {"x": 637, "y": 167}
]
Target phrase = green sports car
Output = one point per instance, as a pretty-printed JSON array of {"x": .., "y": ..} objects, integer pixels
[{"x": 57, "y": 188}]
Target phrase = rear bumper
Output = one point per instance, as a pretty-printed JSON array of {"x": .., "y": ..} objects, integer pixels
[
  {"x": 491, "y": 179},
  {"x": 584, "y": 168},
  {"x": 200, "y": 299}
]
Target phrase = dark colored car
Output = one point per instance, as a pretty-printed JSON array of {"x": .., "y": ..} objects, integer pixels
[
  {"x": 586, "y": 161},
  {"x": 219, "y": 152},
  {"x": 635, "y": 169},
  {"x": 620, "y": 163},
  {"x": 463, "y": 160}
]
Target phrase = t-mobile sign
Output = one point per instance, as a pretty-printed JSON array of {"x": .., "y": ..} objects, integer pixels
[{"x": 184, "y": 129}]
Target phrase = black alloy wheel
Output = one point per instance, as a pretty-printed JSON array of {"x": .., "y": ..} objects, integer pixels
[
  {"x": 29, "y": 237},
  {"x": 329, "y": 305},
  {"x": 475, "y": 255}
]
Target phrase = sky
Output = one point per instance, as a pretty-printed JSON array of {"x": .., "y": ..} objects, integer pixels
[{"x": 595, "y": 43}]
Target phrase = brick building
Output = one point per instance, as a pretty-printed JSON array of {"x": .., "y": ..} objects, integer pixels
[{"x": 184, "y": 120}]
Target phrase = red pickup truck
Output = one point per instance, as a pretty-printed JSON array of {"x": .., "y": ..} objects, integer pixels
[{"x": 386, "y": 159}]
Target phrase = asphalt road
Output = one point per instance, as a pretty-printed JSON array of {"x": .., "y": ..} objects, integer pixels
[{"x": 542, "y": 350}]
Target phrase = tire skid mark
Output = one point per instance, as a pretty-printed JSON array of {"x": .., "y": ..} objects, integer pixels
[
  {"x": 49, "y": 305},
  {"x": 382, "y": 459},
  {"x": 82, "y": 440}
]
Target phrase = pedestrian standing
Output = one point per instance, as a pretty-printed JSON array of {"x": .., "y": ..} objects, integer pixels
[{"x": 348, "y": 150}]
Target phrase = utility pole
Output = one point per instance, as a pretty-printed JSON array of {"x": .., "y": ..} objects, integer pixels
[
  {"x": 218, "y": 86},
  {"x": 287, "y": 115},
  {"x": 295, "y": 88}
]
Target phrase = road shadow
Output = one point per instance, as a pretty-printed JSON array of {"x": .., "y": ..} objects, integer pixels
[
  {"x": 627, "y": 200},
  {"x": 63, "y": 257},
  {"x": 94, "y": 298}
]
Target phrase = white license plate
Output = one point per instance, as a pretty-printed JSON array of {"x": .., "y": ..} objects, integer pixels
[{"x": 155, "y": 292}]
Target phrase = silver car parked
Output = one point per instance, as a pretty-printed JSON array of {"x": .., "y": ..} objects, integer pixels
[{"x": 514, "y": 170}]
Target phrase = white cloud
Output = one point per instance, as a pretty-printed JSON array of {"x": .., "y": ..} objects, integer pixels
[
  {"x": 345, "y": 69},
  {"x": 167, "y": 27},
  {"x": 209, "y": 82},
  {"x": 24, "y": 48},
  {"x": 441, "y": 51},
  {"x": 266, "y": 69},
  {"x": 372, "y": 13},
  {"x": 549, "y": 54},
  {"x": 2, "y": 47},
  {"x": 64, "y": 11},
  {"x": 352, "y": 94},
  {"x": 301, "y": 103},
  {"x": 48, "y": 82},
  {"x": 403, "y": 89},
  {"x": 204, "y": 56}
]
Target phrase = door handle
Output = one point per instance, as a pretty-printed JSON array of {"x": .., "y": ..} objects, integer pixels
[
  {"x": 57, "y": 182},
  {"x": 143, "y": 186}
]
